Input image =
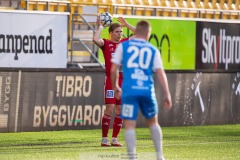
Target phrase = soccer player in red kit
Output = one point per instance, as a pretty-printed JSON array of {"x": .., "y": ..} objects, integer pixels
[{"x": 108, "y": 47}]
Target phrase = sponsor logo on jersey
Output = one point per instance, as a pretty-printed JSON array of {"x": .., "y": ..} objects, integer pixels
[{"x": 139, "y": 74}]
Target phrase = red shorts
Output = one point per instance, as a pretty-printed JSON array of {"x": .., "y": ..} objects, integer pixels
[{"x": 109, "y": 92}]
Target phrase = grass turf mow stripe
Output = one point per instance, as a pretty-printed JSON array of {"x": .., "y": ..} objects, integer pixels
[{"x": 219, "y": 142}]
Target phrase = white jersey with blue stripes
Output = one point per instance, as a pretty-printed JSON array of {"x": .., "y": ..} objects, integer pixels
[{"x": 139, "y": 60}]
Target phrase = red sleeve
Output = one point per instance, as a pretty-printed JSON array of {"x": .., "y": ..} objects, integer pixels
[
  {"x": 104, "y": 41},
  {"x": 124, "y": 39}
]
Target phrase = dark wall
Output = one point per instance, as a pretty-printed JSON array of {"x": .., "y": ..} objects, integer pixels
[{"x": 41, "y": 101}]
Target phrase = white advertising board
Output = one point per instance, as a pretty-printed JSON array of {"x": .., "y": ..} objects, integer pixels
[{"x": 33, "y": 39}]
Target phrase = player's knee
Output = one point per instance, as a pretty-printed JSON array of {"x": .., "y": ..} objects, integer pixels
[
  {"x": 118, "y": 110},
  {"x": 109, "y": 110},
  {"x": 152, "y": 121}
]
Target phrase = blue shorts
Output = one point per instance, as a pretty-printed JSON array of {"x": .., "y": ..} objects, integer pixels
[{"x": 130, "y": 105}]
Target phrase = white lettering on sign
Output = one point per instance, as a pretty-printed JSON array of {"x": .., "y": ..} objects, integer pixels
[
  {"x": 222, "y": 48},
  {"x": 52, "y": 116},
  {"x": 73, "y": 86},
  {"x": 7, "y": 91}
]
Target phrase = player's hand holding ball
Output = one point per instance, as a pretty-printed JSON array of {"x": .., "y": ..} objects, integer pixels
[{"x": 105, "y": 19}]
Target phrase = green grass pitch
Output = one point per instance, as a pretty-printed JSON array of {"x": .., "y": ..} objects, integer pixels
[{"x": 218, "y": 142}]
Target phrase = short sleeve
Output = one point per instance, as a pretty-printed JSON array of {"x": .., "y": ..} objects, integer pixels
[
  {"x": 157, "y": 61},
  {"x": 117, "y": 56}
]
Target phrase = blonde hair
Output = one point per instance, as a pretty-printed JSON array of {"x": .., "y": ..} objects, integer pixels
[{"x": 143, "y": 28}]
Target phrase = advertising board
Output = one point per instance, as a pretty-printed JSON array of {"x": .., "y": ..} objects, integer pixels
[
  {"x": 45, "y": 101},
  {"x": 218, "y": 46},
  {"x": 175, "y": 40},
  {"x": 33, "y": 39}
]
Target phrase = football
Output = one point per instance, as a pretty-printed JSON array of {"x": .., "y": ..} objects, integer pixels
[{"x": 106, "y": 19}]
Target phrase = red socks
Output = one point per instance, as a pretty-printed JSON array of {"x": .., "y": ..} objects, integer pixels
[
  {"x": 105, "y": 125},
  {"x": 117, "y": 125}
]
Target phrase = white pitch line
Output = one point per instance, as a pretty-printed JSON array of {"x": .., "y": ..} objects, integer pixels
[{"x": 201, "y": 143}]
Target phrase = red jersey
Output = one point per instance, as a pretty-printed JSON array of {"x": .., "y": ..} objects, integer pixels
[{"x": 108, "y": 49}]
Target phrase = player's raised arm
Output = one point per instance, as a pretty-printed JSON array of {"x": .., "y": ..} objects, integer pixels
[
  {"x": 124, "y": 23},
  {"x": 96, "y": 37}
]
